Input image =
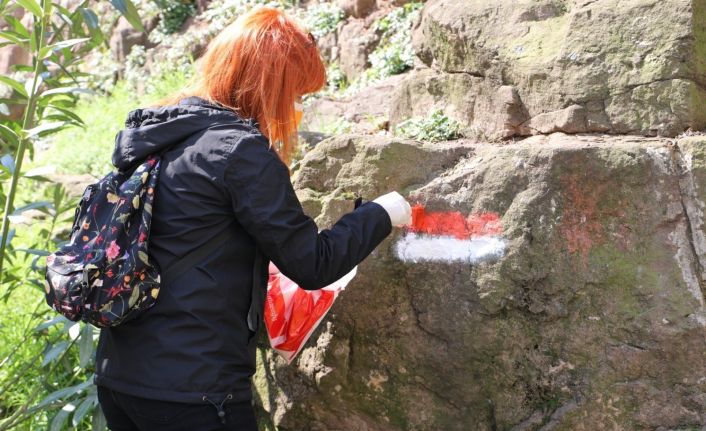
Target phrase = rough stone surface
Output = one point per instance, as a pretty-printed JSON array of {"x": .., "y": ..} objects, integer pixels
[
  {"x": 616, "y": 66},
  {"x": 593, "y": 318},
  {"x": 124, "y": 37},
  {"x": 357, "y": 8},
  {"x": 355, "y": 43},
  {"x": 365, "y": 112}
]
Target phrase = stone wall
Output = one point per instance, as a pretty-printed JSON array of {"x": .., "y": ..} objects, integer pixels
[
  {"x": 518, "y": 68},
  {"x": 592, "y": 317}
]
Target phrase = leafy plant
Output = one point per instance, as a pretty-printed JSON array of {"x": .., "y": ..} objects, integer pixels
[
  {"x": 436, "y": 127},
  {"x": 45, "y": 377},
  {"x": 47, "y": 361},
  {"x": 87, "y": 150},
  {"x": 322, "y": 19},
  {"x": 335, "y": 78},
  {"x": 172, "y": 56},
  {"x": 173, "y": 13},
  {"x": 394, "y": 54}
]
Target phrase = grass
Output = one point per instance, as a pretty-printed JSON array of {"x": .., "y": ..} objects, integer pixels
[
  {"x": 88, "y": 150},
  {"x": 72, "y": 151}
]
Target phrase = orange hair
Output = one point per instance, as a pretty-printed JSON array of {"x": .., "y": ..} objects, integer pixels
[{"x": 258, "y": 66}]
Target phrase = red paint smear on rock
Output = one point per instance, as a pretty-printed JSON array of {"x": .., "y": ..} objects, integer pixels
[{"x": 454, "y": 223}]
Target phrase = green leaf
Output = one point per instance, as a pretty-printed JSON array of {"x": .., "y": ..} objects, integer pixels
[
  {"x": 55, "y": 351},
  {"x": 39, "y": 171},
  {"x": 62, "y": 393},
  {"x": 47, "y": 127},
  {"x": 14, "y": 37},
  {"x": 86, "y": 405},
  {"x": 85, "y": 346},
  {"x": 66, "y": 90},
  {"x": 129, "y": 12},
  {"x": 32, "y": 206},
  {"x": 9, "y": 134},
  {"x": 32, "y": 6},
  {"x": 66, "y": 115},
  {"x": 18, "y": 86},
  {"x": 143, "y": 257},
  {"x": 22, "y": 68},
  {"x": 30, "y": 82},
  {"x": 46, "y": 50},
  {"x": 64, "y": 14},
  {"x": 89, "y": 17},
  {"x": 47, "y": 7},
  {"x": 57, "y": 424},
  {"x": 34, "y": 251},
  {"x": 99, "y": 423},
  {"x": 17, "y": 25}
]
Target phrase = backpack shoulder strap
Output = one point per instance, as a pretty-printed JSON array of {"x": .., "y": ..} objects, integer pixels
[{"x": 173, "y": 271}]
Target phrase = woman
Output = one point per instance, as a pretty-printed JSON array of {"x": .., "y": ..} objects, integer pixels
[{"x": 224, "y": 187}]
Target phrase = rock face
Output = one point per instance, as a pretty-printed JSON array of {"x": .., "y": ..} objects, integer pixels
[
  {"x": 517, "y": 68},
  {"x": 590, "y": 315},
  {"x": 366, "y": 112}
]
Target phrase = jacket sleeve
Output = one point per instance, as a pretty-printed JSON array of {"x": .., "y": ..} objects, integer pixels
[{"x": 266, "y": 206}]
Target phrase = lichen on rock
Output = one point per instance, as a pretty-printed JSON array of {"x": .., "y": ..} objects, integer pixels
[{"x": 595, "y": 311}]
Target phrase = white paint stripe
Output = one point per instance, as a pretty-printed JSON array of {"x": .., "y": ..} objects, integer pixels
[{"x": 414, "y": 248}]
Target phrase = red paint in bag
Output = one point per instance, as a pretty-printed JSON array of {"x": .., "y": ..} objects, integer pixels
[{"x": 292, "y": 313}]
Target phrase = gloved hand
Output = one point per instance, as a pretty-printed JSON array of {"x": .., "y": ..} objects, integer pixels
[{"x": 397, "y": 208}]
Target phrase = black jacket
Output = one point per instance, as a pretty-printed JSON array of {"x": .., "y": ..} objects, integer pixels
[{"x": 218, "y": 176}]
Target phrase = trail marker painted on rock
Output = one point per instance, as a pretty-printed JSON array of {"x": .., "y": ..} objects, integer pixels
[{"x": 449, "y": 237}]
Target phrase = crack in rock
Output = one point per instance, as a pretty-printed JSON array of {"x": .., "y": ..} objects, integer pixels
[{"x": 692, "y": 229}]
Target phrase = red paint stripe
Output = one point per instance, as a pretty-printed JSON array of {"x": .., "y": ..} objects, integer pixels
[{"x": 454, "y": 223}]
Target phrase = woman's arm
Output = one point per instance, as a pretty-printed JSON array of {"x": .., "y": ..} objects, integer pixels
[{"x": 266, "y": 206}]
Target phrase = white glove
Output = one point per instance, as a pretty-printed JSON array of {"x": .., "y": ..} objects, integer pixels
[{"x": 397, "y": 208}]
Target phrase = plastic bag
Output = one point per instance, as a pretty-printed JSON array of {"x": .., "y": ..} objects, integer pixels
[{"x": 292, "y": 313}]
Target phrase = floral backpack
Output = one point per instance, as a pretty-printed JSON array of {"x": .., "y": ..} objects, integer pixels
[{"x": 104, "y": 274}]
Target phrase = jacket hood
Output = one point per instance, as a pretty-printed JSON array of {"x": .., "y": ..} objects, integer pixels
[{"x": 151, "y": 130}]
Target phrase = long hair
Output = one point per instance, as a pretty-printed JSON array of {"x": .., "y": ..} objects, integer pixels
[{"x": 258, "y": 66}]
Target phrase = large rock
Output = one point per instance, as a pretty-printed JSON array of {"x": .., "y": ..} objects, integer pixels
[
  {"x": 125, "y": 36},
  {"x": 355, "y": 43},
  {"x": 364, "y": 112},
  {"x": 591, "y": 317},
  {"x": 357, "y": 8},
  {"x": 636, "y": 66}
]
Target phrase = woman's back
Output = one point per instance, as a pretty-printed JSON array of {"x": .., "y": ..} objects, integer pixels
[
  {"x": 222, "y": 182},
  {"x": 194, "y": 341}
]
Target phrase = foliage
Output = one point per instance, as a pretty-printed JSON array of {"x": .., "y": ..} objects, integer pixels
[
  {"x": 174, "y": 53},
  {"x": 436, "y": 127},
  {"x": 87, "y": 150},
  {"x": 173, "y": 13},
  {"x": 322, "y": 19},
  {"x": 45, "y": 375},
  {"x": 47, "y": 361},
  {"x": 335, "y": 78},
  {"x": 394, "y": 54}
]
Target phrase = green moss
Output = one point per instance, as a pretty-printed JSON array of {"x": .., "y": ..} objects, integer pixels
[
  {"x": 694, "y": 146},
  {"x": 699, "y": 26},
  {"x": 542, "y": 43}
]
